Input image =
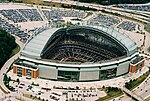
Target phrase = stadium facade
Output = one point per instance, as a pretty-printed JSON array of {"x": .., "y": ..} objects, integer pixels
[{"x": 78, "y": 53}]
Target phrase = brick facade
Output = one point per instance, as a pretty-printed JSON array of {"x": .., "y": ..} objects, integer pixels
[
  {"x": 34, "y": 73},
  {"x": 15, "y": 68},
  {"x": 24, "y": 71},
  {"x": 133, "y": 66}
]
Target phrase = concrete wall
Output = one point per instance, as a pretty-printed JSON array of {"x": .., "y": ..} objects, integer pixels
[
  {"x": 122, "y": 68},
  {"x": 93, "y": 75},
  {"x": 48, "y": 72}
]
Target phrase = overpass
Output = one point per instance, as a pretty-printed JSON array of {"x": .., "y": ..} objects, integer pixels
[{"x": 133, "y": 95}]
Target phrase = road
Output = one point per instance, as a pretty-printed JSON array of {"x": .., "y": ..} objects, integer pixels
[
  {"x": 147, "y": 42},
  {"x": 13, "y": 96},
  {"x": 144, "y": 89},
  {"x": 132, "y": 94},
  {"x": 6, "y": 67}
]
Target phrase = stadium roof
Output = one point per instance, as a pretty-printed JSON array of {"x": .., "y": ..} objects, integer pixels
[
  {"x": 122, "y": 38},
  {"x": 35, "y": 46}
]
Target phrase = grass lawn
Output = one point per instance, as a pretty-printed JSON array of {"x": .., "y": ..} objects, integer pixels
[
  {"x": 88, "y": 14},
  {"x": 20, "y": 99},
  {"x": 3, "y": 90},
  {"x": 28, "y": 96},
  {"x": 148, "y": 49},
  {"x": 110, "y": 94},
  {"x": 147, "y": 27},
  {"x": 15, "y": 51},
  {"x": 45, "y": 3},
  {"x": 147, "y": 99},
  {"x": 1, "y": 0},
  {"x": 134, "y": 83},
  {"x": 31, "y": 1}
]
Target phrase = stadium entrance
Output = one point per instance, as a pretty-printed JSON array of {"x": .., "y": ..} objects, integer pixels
[
  {"x": 107, "y": 74},
  {"x": 68, "y": 76}
]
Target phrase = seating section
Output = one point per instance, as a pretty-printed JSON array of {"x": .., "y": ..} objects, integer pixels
[
  {"x": 126, "y": 25},
  {"x": 79, "y": 49}
]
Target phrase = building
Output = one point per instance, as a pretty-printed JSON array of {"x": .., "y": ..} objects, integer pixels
[
  {"x": 137, "y": 64},
  {"x": 78, "y": 53}
]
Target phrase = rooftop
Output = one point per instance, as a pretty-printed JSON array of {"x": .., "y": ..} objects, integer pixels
[
  {"x": 34, "y": 47},
  {"x": 137, "y": 59}
]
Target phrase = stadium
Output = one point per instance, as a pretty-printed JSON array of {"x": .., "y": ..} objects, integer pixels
[{"x": 78, "y": 53}]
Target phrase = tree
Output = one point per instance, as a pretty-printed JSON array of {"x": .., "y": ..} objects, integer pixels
[
  {"x": 109, "y": 2},
  {"x": 103, "y": 87},
  {"x": 17, "y": 80},
  {"x": 7, "y": 44},
  {"x": 39, "y": 98},
  {"x": 9, "y": 78}
]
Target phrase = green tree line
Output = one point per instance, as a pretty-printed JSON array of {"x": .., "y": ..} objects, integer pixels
[
  {"x": 110, "y": 2},
  {"x": 7, "y": 44}
]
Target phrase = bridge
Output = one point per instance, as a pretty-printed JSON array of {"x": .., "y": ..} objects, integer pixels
[{"x": 133, "y": 95}]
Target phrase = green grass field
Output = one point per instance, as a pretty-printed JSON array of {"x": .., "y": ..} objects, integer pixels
[
  {"x": 136, "y": 82},
  {"x": 15, "y": 51},
  {"x": 148, "y": 49},
  {"x": 147, "y": 99},
  {"x": 111, "y": 93},
  {"x": 3, "y": 90},
  {"x": 3, "y": 1}
]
